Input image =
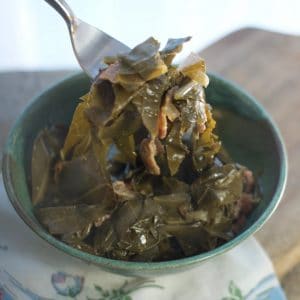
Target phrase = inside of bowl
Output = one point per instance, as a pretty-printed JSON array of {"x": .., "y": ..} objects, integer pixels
[
  {"x": 243, "y": 127},
  {"x": 55, "y": 106},
  {"x": 249, "y": 138}
]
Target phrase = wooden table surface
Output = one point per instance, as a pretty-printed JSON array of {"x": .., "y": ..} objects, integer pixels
[{"x": 266, "y": 64}]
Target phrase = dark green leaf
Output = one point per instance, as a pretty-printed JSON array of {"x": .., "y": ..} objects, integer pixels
[
  {"x": 173, "y": 185},
  {"x": 122, "y": 98},
  {"x": 205, "y": 145},
  {"x": 126, "y": 146},
  {"x": 69, "y": 219},
  {"x": 145, "y": 60},
  {"x": 95, "y": 108},
  {"x": 176, "y": 150},
  {"x": 98, "y": 288},
  {"x": 126, "y": 124},
  {"x": 172, "y": 47},
  {"x": 45, "y": 152}
]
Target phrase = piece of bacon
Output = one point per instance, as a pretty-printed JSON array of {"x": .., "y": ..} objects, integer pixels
[
  {"x": 168, "y": 111},
  {"x": 249, "y": 181},
  {"x": 149, "y": 148}
]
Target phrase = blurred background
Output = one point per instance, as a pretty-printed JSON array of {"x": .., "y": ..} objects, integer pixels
[{"x": 34, "y": 36}]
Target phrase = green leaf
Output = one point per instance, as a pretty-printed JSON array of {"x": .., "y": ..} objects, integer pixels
[
  {"x": 78, "y": 129},
  {"x": 235, "y": 291},
  {"x": 115, "y": 292},
  {"x": 175, "y": 45},
  {"x": 122, "y": 98},
  {"x": 44, "y": 154},
  {"x": 194, "y": 67},
  {"x": 98, "y": 288},
  {"x": 94, "y": 108},
  {"x": 69, "y": 219},
  {"x": 126, "y": 124},
  {"x": 172, "y": 47},
  {"x": 145, "y": 60},
  {"x": 126, "y": 146},
  {"x": 205, "y": 145},
  {"x": 176, "y": 150},
  {"x": 148, "y": 99}
]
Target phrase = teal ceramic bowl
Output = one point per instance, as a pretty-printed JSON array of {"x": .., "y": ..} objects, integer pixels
[{"x": 247, "y": 131}]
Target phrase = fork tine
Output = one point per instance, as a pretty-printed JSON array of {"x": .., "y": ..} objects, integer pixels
[{"x": 90, "y": 44}]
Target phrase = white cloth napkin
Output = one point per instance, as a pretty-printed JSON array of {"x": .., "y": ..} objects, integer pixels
[{"x": 31, "y": 269}]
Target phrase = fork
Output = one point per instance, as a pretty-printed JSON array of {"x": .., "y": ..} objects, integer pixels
[{"x": 90, "y": 44}]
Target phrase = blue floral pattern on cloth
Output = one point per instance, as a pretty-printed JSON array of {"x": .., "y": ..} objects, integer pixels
[
  {"x": 10, "y": 287},
  {"x": 69, "y": 286},
  {"x": 123, "y": 292},
  {"x": 5, "y": 294},
  {"x": 66, "y": 284},
  {"x": 266, "y": 289},
  {"x": 72, "y": 285}
]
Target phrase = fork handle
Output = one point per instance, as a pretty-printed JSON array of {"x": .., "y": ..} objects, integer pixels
[{"x": 64, "y": 10}]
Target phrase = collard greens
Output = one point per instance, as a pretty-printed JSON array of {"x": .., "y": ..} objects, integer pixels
[{"x": 140, "y": 174}]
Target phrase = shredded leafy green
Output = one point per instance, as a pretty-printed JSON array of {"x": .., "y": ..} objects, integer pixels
[{"x": 140, "y": 174}]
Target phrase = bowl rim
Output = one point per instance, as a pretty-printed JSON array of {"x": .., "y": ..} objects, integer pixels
[{"x": 149, "y": 266}]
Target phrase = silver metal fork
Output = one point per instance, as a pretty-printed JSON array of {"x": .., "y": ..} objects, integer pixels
[{"x": 90, "y": 44}]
